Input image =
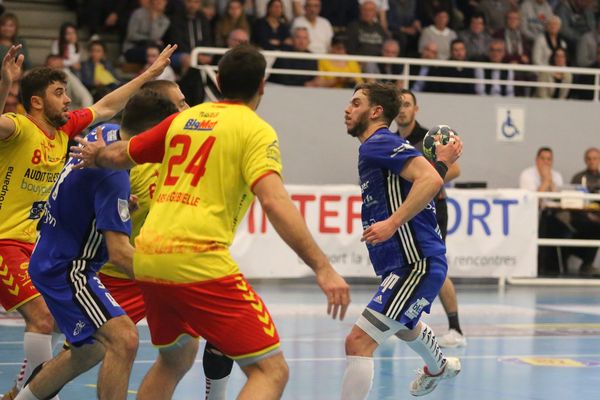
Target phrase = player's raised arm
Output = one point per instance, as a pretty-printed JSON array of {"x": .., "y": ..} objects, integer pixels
[
  {"x": 11, "y": 69},
  {"x": 290, "y": 225},
  {"x": 114, "y": 102}
]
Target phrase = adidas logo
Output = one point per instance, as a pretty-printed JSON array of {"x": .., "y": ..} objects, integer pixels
[{"x": 378, "y": 299}]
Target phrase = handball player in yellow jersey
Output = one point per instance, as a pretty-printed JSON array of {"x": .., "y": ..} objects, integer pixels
[
  {"x": 215, "y": 157},
  {"x": 33, "y": 151}
]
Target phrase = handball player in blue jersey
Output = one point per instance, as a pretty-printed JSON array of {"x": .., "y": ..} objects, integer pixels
[
  {"x": 404, "y": 242},
  {"x": 86, "y": 224}
]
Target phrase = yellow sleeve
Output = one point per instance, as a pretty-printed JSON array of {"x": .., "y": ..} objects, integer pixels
[
  {"x": 18, "y": 127},
  {"x": 261, "y": 154}
]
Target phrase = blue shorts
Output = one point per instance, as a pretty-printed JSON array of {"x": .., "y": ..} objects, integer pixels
[
  {"x": 405, "y": 293},
  {"x": 77, "y": 299}
]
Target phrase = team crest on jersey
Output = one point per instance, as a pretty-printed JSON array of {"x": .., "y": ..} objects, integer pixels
[
  {"x": 123, "y": 208},
  {"x": 37, "y": 208}
]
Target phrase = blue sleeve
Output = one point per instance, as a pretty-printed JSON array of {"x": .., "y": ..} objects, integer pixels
[
  {"x": 387, "y": 152},
  {"x": 111, "y": 203}
]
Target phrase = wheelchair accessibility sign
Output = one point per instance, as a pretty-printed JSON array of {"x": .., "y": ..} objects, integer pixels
[{"x": 510, "y": 124}]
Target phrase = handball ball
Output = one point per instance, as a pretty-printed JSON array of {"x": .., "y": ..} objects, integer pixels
[{"x": 439, "y": 133}]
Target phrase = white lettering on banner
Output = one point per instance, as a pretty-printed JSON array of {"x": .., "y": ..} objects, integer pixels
[{"x": 490, "y": 233}]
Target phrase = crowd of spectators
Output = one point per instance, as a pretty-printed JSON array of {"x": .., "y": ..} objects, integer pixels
[{"x": 539, "y": 32}]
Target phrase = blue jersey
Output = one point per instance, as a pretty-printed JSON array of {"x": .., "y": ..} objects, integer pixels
[
  {"x": 381, "y": 159},
  {"x": 82, "y": 204}
]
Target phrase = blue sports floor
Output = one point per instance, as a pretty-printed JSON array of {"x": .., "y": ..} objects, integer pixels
[{"x": 539, "y": 343}]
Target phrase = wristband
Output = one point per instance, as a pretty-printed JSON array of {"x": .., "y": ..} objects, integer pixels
[{"x": 441, "y": 168}]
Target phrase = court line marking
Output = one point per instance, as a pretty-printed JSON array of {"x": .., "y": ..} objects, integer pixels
[
  {"x": 399, "y": 358},
  {"x": 343, "y": 338}
]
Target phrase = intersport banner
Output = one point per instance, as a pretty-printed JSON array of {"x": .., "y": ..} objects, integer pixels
[{"x": 491, "y": 233}]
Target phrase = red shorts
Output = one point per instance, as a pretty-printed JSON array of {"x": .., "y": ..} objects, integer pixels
[
  {"x": 128, "y": 294},
  {"x": 226, "y": 312},
  {"x": 16, "y": 287}
]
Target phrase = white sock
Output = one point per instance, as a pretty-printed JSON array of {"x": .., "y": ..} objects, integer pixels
[
  {"x": 216, "y": 389},
  {"x": 56, "y": 339},
  {"x": 25, "y": 394},
  {"x": 358, "y": 378},
  {"x": 20, "y": 381},
  {"x": 38, "y": 349},
  {"x": 427, "y": 347}
]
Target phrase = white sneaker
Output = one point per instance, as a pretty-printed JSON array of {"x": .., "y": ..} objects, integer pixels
[
  {"x": 452, "y": 339},
  {"x": 424, "y": 383}
]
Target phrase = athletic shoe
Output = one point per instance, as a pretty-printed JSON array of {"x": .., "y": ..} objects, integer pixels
[
  {"x": 452, "y": 339},
  {"x": 424, "y": 383}
]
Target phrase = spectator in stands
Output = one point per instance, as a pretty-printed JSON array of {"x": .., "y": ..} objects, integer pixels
[
  {"x": 548, "y": 42},
  {"x": 559, "y": 59},
  {"x": 366, "y": 35},
  {"x": 458, "y": 52},
  {"x": 588, "y": 46},
  {"x": 67, "y": 47},
  {"x": 382, "y": 10},
  {"x": 439, "y": 33},
  {"x": 76, "y": 90},
  {"x": 518, "y": 47},
  {"x": 237, "y": 37},
  {"x": 577, "y": 19},
  {"x": 426, "y": 10},
  {"x": 272, "y": 32},
  {"x": 390, "y": 49},
  {"x": 429, "y": 53},
  {"x": 338, "y": 46},
  {"x": 97, "y": 73},
  {"x": 234, "y": 18},
  {"x": 319, "y": 29},
  {"x": 494, "y": 12},
  {"x": 587, "y": 224},
  {"x": 476, "y": 38},
  {"x": 496, "y": 54},
  {"x": 152, "y": 53},
  {"x": 340, "y": 13},
  {"x": 9, "y": 35},
  {"x": 535, "y": 14},
  {"x": 146, "y": 25},
  {"x": 105, "y": 15},
  {"x": 300, "y": 43},
  {"x": 542, "y": 178},
  {"x": 583, "y": 94},
  {"x": 404, "y": 25},
  {"x": 189, "y": 29},
  {"x": 291, "y": 8}
]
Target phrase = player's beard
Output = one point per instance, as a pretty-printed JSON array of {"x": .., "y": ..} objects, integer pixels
[
  {"x": 361, "y": 125},
  {"x": 57, "y": 119}
]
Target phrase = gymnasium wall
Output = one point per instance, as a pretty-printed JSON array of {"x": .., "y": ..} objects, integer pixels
[{"x": 317, "y": 150}]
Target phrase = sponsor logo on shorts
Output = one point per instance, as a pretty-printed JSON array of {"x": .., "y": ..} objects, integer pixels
[
  {"x": 378, "y": 299},
  {"x": 415, "y": 308},
  {"x": 78, "y": 328}
]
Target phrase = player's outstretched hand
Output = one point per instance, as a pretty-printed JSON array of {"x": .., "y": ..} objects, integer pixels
[
  {"x": 163, "y": 60},
  {"x": 11, "y": 64},
  {"x": 337, "y": 291},
  {"x": 87, "y": 151},
  {"x": 450, "y": 152},
  {"x": 379, "y": 232}
]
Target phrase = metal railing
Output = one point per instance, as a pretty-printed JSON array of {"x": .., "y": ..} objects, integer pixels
[{"x": 406, "y": 76}]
